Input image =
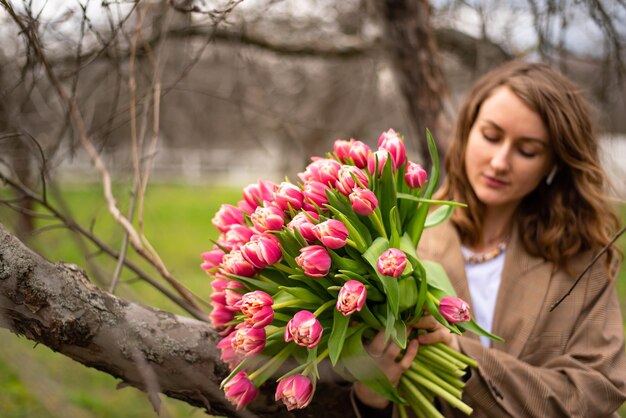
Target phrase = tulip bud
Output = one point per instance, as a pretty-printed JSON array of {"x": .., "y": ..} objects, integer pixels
[
  {"x": 359, "y": 152},
  {"x": 220, "y": 315},
  {"x": 332, "y": 233},
  {"x": 342, "y": 149},
  {"x": 219, "y": 291},
  {"x": 302, "y": 222},
  {"x": 415, "y": 175},
  {"x": 304, "y": 329},
  {"x": 351, "y": 297},
  {"x": 364, "y": 201},
  {"x": 257, "y": 306},
  {"x": 255, "y": 194},
  {"x": 262, "y": 251},
  {"x": 323, "y": 170},
  {"x": 269, "y": 218},
  {"x": 381, "y": 156},
  {"x": 295, "y": 391},
  {"x": 454, "y": 309},
  {"x": 235, "y": 237},
  {"x": 240, "y": 390},
  {"x": 226, "y": 216},
  {"x": 234, "y": 263},
  {"x": 232, "y": 295},
  {"x": 228, "y": 354},
  {"x": 212, "y": 259},
  {"x": 248, "y": 341},
  {"x": 315, "y": 195},
  {"x": 345, "y": 179},
  {"x": 288, "y": 194},
  {"x": 391, "y": 262},
  {"x": 392, "y": 142},
  {"x": 314, "y": 260}
]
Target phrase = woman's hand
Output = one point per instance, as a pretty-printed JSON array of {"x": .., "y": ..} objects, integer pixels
[{"x": 387, "y": 357}]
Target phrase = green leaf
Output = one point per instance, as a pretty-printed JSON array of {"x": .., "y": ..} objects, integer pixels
[
  {"x": 387, "y": 194},
  {"x": 303, "y": 294},
  {"x": 438, "y": 216},
  {"x": 399, "y": 336},
  {"x": 407, "y": 287},
  {"x": 396, "y": 225},
  {"x": 343, "y": 263},
  {"x": 337, "y": 336},
  {"x": 406, "y": 196},
  {"x": 390, "y": 321},
  {"x": 364, "y": 369},
  {"x": 256, "y": 284},
  {"x": 369, "y": 318},
  {"x": 477, "y": 329},
  {"x": 438, "y": 277}
]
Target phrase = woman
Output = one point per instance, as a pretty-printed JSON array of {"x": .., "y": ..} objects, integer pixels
[{"x": 525, "y": 159}]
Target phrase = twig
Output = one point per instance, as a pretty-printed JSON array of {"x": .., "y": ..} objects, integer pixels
[{"x": 580, "y": 276}]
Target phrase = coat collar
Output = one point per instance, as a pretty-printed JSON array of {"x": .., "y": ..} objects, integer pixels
[{"x": 523, "y": 287}]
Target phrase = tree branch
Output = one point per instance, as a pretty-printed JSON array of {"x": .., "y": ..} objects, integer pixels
[{"x": 56, "y": 305}]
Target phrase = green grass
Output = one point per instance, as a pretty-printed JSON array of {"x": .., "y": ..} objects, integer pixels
[{"x": 35, "y": 382}]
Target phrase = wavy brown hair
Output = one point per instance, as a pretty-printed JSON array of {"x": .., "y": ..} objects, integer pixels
[{"x": 556, "y": 221}]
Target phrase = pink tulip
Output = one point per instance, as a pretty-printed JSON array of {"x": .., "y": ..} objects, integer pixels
[
  {"x": 268, "y": 218},
  {"x": 235, "y": 237},
  {"x": 415, "y": 175},
  {"x": 304, "y": 329},
  {"x": 234, "y": 263},
  {"x": 228, "y": 354},
  {"x": 262, "y": 251},
  {"x": 295, "y": 391},
  {"x": 323, "y": 170},
  {"x": 314, "y": 260},
  {"x": 233, "y": 294},
  {"x": 345, "y": 179},
  {"x": 212, "y": 259},
  {"x": 302, "y": 222},
  {"x": 240, "y": 390},
  {"x": 226, "y": 216},
  {"x": 351, "y": 297},
  {"x": 391, "y": 262},
  {"x": 288, "y": 195},
  {"x": 332, "y": 233},
  {"x": 315, "y": 196},
  {"x": 360, "y": 153},
  {"x": 220, "y": 315},
  {"x": 246, "y": 207},
  {"x": 382, "y": 156},
  {"x": 257, "y": 307},
  {"x": 255, "y": 194},
  {"x": 248, "y": 341},
  {"x": 364, "y": 201},
  {"x": 454, "y": 309},
  {"x": 392, "y": 142},
  {"x": 219, "y": 290},
  {"x": 341, "y": 147}
]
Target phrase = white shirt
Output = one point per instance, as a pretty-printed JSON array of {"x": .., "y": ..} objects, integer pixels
[{"x": 483, "y": 280}]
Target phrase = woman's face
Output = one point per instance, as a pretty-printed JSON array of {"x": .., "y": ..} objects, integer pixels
[{"x": 508, "y": 151}]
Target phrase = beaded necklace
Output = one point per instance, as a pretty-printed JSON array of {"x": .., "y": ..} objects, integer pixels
[{"x": 487, "y": 255}]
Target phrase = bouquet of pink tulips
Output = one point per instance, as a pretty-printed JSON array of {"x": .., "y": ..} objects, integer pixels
[{"x": 313, "y": 270}]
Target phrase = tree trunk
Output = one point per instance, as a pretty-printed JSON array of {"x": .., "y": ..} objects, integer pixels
[
  {"x": 410, "y": 42},
  {"x": 155, "y": 351}
]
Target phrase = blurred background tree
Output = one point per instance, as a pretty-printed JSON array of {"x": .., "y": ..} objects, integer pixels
[{"x": 101, "y": 99}]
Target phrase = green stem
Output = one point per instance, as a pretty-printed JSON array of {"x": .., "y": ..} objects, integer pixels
[
  {"x": 284, "y": 268},
  {"x": 444, "y": 356},
  {"x": 280, "y": 357},
  {"x": 437, "y": 360},
  {"x": 420, "y": 369},
  {"x": 322, "y": 308},
  {"x": 451, "y": 379},
  {"x": 439, "y": 391},
  {"x": 286, "y": 304},
  {"x": 378, "y": 223},
  {"x": 418, "y": 396},
  {"x": 274, "y": 331},
  {"x": 458, "y": 355},
  {"x": 433, "y": 298}
]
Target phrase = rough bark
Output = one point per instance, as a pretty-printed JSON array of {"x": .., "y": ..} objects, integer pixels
[
  {"x": 410, "y": 42},
  {"x": 155, "y": 351}
]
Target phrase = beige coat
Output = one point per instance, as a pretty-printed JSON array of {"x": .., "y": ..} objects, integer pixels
[{"x": 566, "y": 363}]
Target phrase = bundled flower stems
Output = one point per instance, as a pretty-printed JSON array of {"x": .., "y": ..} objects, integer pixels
[{"x": 313, "y": 270}]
